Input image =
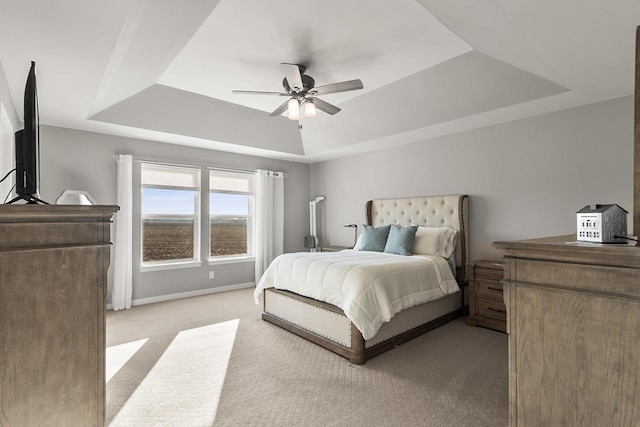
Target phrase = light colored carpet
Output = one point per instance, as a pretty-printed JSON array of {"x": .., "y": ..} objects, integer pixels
[{"x": 211, "y": 360}]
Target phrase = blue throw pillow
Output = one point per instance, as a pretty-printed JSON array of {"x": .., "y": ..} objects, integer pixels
[
  {"x": 374, "y": 238},
  {"x": 400, "y": 240}
]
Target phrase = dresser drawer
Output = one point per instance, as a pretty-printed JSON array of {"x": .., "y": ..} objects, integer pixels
[
  {"x": 489, "y": 288},
  {"x": 491, "y": 308}
]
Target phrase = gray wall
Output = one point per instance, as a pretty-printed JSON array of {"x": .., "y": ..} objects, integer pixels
[
  {"x": 79, "y": 160},
  {"x": 7, "y": 101},
  {"x": 525, "y": 178},
  {"x": 8, "y": 125}
]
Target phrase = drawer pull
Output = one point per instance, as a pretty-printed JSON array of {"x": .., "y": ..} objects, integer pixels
[
  {"x": 495, "y": 309},
  {"x": 495, "y": 289}
]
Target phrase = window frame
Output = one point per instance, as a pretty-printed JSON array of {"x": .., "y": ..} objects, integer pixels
[
  {"x": 238, "y": 258},
  {"x": 177, "y": 263}
]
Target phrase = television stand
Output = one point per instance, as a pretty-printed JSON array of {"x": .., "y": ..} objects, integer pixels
[{"x": 29, "y": 198}]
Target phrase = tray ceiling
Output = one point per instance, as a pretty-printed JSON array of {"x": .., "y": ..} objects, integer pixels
[{"x": 159, "y": 70}]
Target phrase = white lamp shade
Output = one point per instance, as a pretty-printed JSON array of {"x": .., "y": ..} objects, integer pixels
[
  {"x": 75, "y": 197},
  {"x": 294, "y": 109},
  {"x": 309, "y": 109}
]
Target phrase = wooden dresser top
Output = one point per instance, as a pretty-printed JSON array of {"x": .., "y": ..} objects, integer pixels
[
  {"x": 567, "y": 249},
  {"x": 47, "y": 213}
]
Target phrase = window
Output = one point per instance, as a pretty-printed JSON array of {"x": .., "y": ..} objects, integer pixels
[
  {"x": 230, "y": 214},
  {"x": 170, "y": 214}
]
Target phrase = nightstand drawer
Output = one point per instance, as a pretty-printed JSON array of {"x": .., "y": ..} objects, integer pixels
[
  {"x": 489, "y": 273},
  {"x": 486, "y": 299},
  {"x": 491, "y": 308},
  {"x": 489, "y": 288}
]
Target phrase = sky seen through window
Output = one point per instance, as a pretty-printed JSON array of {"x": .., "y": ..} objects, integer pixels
[{"x": 181, "y": 202}]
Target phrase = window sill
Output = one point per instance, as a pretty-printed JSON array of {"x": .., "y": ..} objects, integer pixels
[
  {"x": 231, "y": 260},
  {"x": 170, "y": 266}
]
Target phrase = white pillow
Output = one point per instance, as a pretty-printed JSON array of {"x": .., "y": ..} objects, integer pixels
[{"x": 439, "y": 241}]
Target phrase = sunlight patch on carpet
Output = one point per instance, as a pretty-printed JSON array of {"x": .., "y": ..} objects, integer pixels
[
  {"x": 118, "y": 355},
  {"x": 186, "y": 382}
]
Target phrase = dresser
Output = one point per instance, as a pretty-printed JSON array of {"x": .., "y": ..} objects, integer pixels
[
  {"x": 573, "y": 319},
  {"x": 486, "y": 299},
  {"x": 53, "y": 270}
]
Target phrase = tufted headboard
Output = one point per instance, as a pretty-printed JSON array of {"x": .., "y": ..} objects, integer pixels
[{"x": 431, "y": 211}]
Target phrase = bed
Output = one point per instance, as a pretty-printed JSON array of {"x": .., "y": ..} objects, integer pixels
[{"x": 313, "y": 316}]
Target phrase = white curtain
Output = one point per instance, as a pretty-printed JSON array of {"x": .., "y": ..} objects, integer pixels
[
  {"x": 122, "y": 266},
  {"x": 269, "y": 218}
]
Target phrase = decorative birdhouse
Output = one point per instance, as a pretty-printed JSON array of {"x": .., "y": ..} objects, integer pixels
[{"x": 600, "y": 223}]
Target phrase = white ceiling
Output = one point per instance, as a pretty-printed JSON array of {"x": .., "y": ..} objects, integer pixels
[{"x": 159, "y": 70}]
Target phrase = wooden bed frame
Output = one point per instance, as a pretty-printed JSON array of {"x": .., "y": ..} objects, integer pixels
[{"x": 326, "y": 325}]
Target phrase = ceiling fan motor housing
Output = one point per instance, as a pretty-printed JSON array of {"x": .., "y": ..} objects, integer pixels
[{"x": 308, "y": 83}]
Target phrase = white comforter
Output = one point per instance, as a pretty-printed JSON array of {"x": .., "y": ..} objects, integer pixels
[{"x": 370, "y": 287}]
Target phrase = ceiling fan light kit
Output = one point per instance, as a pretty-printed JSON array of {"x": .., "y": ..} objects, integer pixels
[
  {"x": 302, "y": 92},
  {"x": 309, "y": 109},
  {"x": 294, "y": 109}
]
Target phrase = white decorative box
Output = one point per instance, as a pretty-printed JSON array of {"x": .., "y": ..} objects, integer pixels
[{"x": 601, "y": 223}]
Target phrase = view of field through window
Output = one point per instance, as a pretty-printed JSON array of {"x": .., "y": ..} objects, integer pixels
[
  {"x": 228, "y": 236},
  {"x": 167, "y": 238},
  {"x": 168, "y": 224},
  {"x": 229, "y": 215}
]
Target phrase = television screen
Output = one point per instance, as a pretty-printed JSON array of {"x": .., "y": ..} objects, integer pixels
[{"x": 27, "y": 142}]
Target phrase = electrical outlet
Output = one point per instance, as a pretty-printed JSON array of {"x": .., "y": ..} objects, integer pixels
[{"x": 211, "y": 274}]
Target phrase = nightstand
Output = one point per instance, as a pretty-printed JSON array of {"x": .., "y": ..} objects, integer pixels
[
  {"x": 333, "y": 248},
  {"x": 486, "y": 303}
]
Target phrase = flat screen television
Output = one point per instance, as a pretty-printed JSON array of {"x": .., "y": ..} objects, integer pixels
[{"x": 27, "y": 142}]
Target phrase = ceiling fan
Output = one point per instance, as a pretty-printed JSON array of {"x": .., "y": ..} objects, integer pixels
[{"x": 301, "y": 90}]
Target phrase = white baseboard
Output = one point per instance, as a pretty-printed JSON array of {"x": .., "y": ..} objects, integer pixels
[{"x": 169, "y": 297}]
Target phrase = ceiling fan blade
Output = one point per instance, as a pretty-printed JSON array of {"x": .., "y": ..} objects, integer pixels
[
  {"x": 258, "y": 92},
  {"x": 325, "y": 106},
  {"x": 281, "y": 109},
  {"x": 293, "y": 76},
  {"x": 337, "y": 87}
]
